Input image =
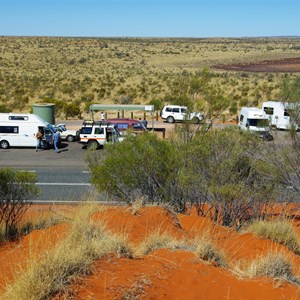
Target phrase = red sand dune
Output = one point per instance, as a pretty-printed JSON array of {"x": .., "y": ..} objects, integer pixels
[{"x": 162, "y": 274}]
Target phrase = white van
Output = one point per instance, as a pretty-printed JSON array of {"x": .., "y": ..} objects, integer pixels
[
  {"x": 255, "y": 120},
  {"x": 18, "y": 130},
  {"x": 278, "y": 114}
]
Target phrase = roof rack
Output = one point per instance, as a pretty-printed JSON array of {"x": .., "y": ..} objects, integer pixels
[{"x": 92, "y": 123}]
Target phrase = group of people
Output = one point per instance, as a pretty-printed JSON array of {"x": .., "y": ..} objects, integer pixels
[{"x": 55, "y": 140}]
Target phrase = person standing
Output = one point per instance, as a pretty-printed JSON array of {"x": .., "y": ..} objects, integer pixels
[
  {"x": 102, "y": 115},
  {"x": 56, "y": 140},
  {"x": 39, "y": 138}
]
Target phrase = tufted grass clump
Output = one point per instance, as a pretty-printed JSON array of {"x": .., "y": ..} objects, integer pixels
[
  {"x": 281, "y": 232},
  {"x": 206, "y": 250},
  {"x": 158, "y": 240},
  {"x": 52, "y": 272},
  {"x": 275, "y": 265}
]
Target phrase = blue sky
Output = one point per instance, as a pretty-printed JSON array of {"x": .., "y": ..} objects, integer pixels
[{"x": 152, "y": 18}]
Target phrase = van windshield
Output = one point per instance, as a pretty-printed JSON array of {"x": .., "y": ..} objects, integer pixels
[{"x": 258, "y": 122}]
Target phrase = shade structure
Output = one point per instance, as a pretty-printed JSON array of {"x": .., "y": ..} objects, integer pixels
[{"x": 122, "y": 107}]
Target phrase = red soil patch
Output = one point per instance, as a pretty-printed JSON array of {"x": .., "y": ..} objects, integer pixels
[
  {"x": 162, "y": 274},
  {"x": 283, "y": 65}
]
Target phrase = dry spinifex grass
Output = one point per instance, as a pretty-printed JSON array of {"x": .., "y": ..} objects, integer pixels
[
  {"x": 275, "y": 264},
  {"x": 53, "y": 271},
  {"x": 278, "y": 231}
]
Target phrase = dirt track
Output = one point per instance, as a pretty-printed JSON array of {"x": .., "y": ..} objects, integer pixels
[{"x": 283, "y": 65}]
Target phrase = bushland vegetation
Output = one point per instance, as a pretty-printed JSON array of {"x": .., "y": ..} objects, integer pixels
[
  {"x": 16, "y": 190},
  {"x": 217, "y": 172},
  {"x": 75, "y": 72}
]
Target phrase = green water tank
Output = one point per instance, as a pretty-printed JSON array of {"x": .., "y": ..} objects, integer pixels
[{"x": 45, "y": 110}]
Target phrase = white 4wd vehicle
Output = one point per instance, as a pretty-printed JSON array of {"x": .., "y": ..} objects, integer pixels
[
  {"x": 67, "y": 134},
  {"x": 173, "y": 113},
  {"x": 95, "y": 134}
]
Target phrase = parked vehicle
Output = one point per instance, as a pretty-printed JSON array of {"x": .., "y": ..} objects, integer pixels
[
  {"x": 278, "y": 113},
  {"x": 19, "y": 130},
  {"x": 255, "y": 120},
  {"x": 95, "y": 134},
  {"x": 177, "y": 113},
  {"x": 125, "y": 124},
  {"x": 67, "y": 134}
]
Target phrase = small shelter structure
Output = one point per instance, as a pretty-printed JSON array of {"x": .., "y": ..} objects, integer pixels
[{"x": 122, "y": 108}]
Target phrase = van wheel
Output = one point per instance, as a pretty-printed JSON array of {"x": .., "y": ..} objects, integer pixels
[
  {"x": 170, "y": 119},
  {"x": 92, "y": 145},
  {"x": 4, "y": 144},
  {"x": 45, "y": 145},
  {"x": 70, "y": 138}
]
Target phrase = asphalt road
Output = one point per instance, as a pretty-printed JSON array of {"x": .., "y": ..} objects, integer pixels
[{"x": 61, "y": 176}]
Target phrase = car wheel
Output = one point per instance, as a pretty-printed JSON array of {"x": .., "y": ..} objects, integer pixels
[
  {"x": 195, "y": 120},
  {"x": 70, "y": 138},
  {"x": 4, "y": 144},
  {"x": 170, "y": 119},
  {"x": 92, "y": 145}
]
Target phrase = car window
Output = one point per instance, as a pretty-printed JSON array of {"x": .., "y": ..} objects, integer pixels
[
  {"x": 86, "y": 130},
  {"x": 183, "y": 110},
  {"x": 176, "y": 110},
  {"x": 138, "y": 126},
  {"x": 99, "y": 130},
  {"x": 169, "y": 109},
  {"x": 122, "y": 126}
]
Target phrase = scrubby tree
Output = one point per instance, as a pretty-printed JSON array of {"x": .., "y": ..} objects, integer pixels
[
  {"x": 16, "y": 189},
  {"x": 72, "y": 110},
  {"x": 222, "y": 179},
  {"x": 142, "y": 165},
  {"x": 213, "y": 172}
]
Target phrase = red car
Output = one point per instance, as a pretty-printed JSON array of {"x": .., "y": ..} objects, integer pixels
[{"x": 126, "y": 124}]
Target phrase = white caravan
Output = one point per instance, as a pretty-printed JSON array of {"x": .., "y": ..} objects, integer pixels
[
  {"x": 278, "y": 114},
  {"x": 18, "y": 130},
  {"x": 255, "y": 120}
]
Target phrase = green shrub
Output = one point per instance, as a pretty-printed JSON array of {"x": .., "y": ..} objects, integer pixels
[{"x": 16, "y": 189}]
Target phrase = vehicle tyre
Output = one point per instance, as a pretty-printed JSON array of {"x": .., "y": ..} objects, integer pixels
[
  {"x": 70, "y": 138},
  {"x": 195, "y": 120},
  {"x": 92, "y": 145},
  {"x": 170, "y": 119},
  {"x": 4, "y": 144},
  {"x": 45, "y": 145}
]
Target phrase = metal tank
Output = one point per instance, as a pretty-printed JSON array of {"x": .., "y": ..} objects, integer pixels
[{"x": 46, "y": 111}]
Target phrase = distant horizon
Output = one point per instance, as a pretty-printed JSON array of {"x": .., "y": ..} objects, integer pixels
[
  {"x": 152, "y": 37},
  {"x": 150, "y": 18}
]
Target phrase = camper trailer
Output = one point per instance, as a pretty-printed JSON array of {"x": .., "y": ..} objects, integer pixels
[
  {"x": 278, "y": 113},
  {"x": 255, "y": 120},
  {"x": 18, "y": 130}
]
